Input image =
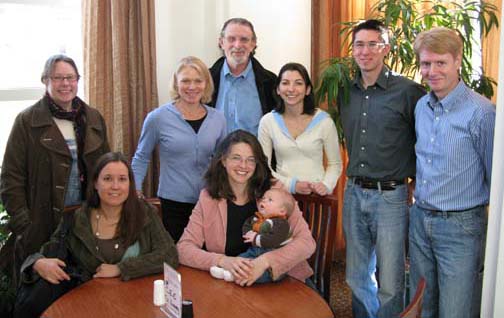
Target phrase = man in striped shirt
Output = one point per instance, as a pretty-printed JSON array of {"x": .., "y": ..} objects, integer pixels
[{"x": 454, "y": 128}]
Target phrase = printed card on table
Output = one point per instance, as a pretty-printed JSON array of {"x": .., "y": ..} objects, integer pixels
[{"x": 173, "y": 293}]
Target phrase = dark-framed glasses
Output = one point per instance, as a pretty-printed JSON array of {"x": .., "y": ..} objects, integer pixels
[{"x": 61, "y": 78}]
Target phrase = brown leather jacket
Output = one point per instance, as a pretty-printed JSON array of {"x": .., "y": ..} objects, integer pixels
[{"x": 34, "y": 176}]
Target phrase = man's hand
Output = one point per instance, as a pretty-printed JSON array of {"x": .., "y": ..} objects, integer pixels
[{"x": 411, "y": 191}]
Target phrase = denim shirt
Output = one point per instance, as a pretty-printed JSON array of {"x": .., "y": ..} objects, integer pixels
[{"x": 239, "y": 100}]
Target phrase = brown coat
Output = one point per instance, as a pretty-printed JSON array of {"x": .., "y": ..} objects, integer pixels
[{"x": 35, "y": 173}]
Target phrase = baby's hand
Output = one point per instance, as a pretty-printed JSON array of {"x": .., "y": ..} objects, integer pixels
[{"x": 249, "y": 236}]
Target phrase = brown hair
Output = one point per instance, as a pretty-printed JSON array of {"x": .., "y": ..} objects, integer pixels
[
  {"x": 133, "y": 212},
  {"x": 308, "y": 101},
  {"x": 216, "y": 177},
  {"x": 51, "y": 62},
  {"x": 202, "y": 69},
  {"x": 439, "y": 40}
]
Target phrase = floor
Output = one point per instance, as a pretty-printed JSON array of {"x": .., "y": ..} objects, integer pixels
[{"x": 341, "y": 296}]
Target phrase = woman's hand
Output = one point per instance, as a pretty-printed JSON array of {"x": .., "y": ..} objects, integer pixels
[
  {"x": 303, "y": 187},
  {"x": 238, "y": 266},
  {"x": 107, "y": 271},
  {"x": 319, "y": 188},
  {"x": 140, "y": 194},
  {"x": 259, "y": 266},
  {"x": 51, "y": 269}
]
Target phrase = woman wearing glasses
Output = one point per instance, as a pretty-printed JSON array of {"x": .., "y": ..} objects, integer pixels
[
  {"x": 239, "y": 175},
  {"x": 50, "y": 154},
  {"x": 187, "y": 132},
  {"x": 300, "y": 134}
]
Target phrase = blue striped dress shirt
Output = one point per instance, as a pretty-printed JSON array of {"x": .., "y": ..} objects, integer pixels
[{"x": 454, "y": 150}]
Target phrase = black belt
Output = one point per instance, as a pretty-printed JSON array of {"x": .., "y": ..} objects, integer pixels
[
  {"x": 367, "y": 183},
  {"x": 452, "y": 212}
]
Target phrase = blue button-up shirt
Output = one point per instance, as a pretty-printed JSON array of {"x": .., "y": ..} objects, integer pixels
[
  {"x": 454, "y": 150},
  {"x": 239, "y": 100}
]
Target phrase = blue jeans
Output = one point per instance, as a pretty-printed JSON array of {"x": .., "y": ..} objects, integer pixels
[
  {"x": 375, "y": 224},
  {"x": 254, "y": 252},
  {"x": 446, "y": 248}
]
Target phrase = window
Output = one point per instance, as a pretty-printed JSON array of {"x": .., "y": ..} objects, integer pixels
[{"x": 31, "y": 31}]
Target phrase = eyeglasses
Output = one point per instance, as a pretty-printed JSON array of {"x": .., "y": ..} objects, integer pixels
[
  {"x": 60, "y": 79},
  {"x": 237, "y": 160},
  {"x": 373, "y": 46}
]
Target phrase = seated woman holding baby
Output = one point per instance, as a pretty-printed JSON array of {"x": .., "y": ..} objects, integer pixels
[{"x": 237, "y": 177}]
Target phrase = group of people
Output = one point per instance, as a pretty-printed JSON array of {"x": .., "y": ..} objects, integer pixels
[
  {"x": 235, "y": 143},
  {"x": 214, "y": 179}
]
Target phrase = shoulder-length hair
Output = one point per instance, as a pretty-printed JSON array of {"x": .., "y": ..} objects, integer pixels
[
  {"x": 309, "y": 100},
  {"x": 133, "y": 212},
  {"x": 202, "y": 69},
  {"x": 217, "y": 179}
]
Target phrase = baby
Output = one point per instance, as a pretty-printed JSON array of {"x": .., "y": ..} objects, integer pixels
[{"x": 266, "y": 230}]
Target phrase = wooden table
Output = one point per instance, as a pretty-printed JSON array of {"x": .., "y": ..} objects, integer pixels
[{"x": 211, "y": 298}]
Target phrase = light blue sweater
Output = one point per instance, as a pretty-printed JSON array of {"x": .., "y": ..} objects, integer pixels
[{"x": 184, "y": 155}]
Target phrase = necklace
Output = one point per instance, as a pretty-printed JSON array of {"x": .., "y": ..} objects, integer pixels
[{"x": 97, "y": 233}]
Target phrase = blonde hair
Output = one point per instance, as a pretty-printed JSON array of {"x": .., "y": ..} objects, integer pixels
[
  {"x": 202, "y": 69},
  {"x": 439, "y": 40}
]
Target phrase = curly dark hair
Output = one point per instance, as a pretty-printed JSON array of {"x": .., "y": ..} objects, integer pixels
[
  {"x": 133, "y": 212},
  {"x": 216, "y": 177}
]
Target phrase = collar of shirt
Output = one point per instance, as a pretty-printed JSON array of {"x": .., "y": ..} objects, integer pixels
[
  {"x": 381, "y": 81},
  {"x": 245, "y": 74},
  {"x": 450, "y": 101}
]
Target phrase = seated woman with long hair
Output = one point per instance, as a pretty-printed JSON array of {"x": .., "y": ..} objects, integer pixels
[
  {"x": 114, "y": 234},
  {"x": 239, "y": 175}
]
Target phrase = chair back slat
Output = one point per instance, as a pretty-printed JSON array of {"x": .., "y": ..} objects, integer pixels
[
  {"x": 414, "y": 309},
  {"x": 321, "y": 214}
]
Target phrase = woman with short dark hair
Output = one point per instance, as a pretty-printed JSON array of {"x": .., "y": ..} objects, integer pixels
[
  {"x": 239, "y": 175},
  {"x": 50, "y": 154}
]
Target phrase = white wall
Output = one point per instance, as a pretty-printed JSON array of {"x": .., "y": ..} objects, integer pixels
[
  {"x": 192, "y": 27},
  {"x": 493, "y": 281}
]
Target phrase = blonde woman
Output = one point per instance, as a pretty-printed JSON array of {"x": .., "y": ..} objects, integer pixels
[{"x": 187, "y": 132}]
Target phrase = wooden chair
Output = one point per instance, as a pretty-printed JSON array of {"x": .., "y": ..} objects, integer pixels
[
  {"x": 414, "y": 309},
  {"x": 157, "y": 203},
  {"x": 321, "y": 215}
]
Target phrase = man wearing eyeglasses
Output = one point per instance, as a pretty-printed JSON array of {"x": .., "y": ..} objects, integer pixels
[
  {"x": 243, "y": 87},
  {"x": 378, "y": 123}
]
